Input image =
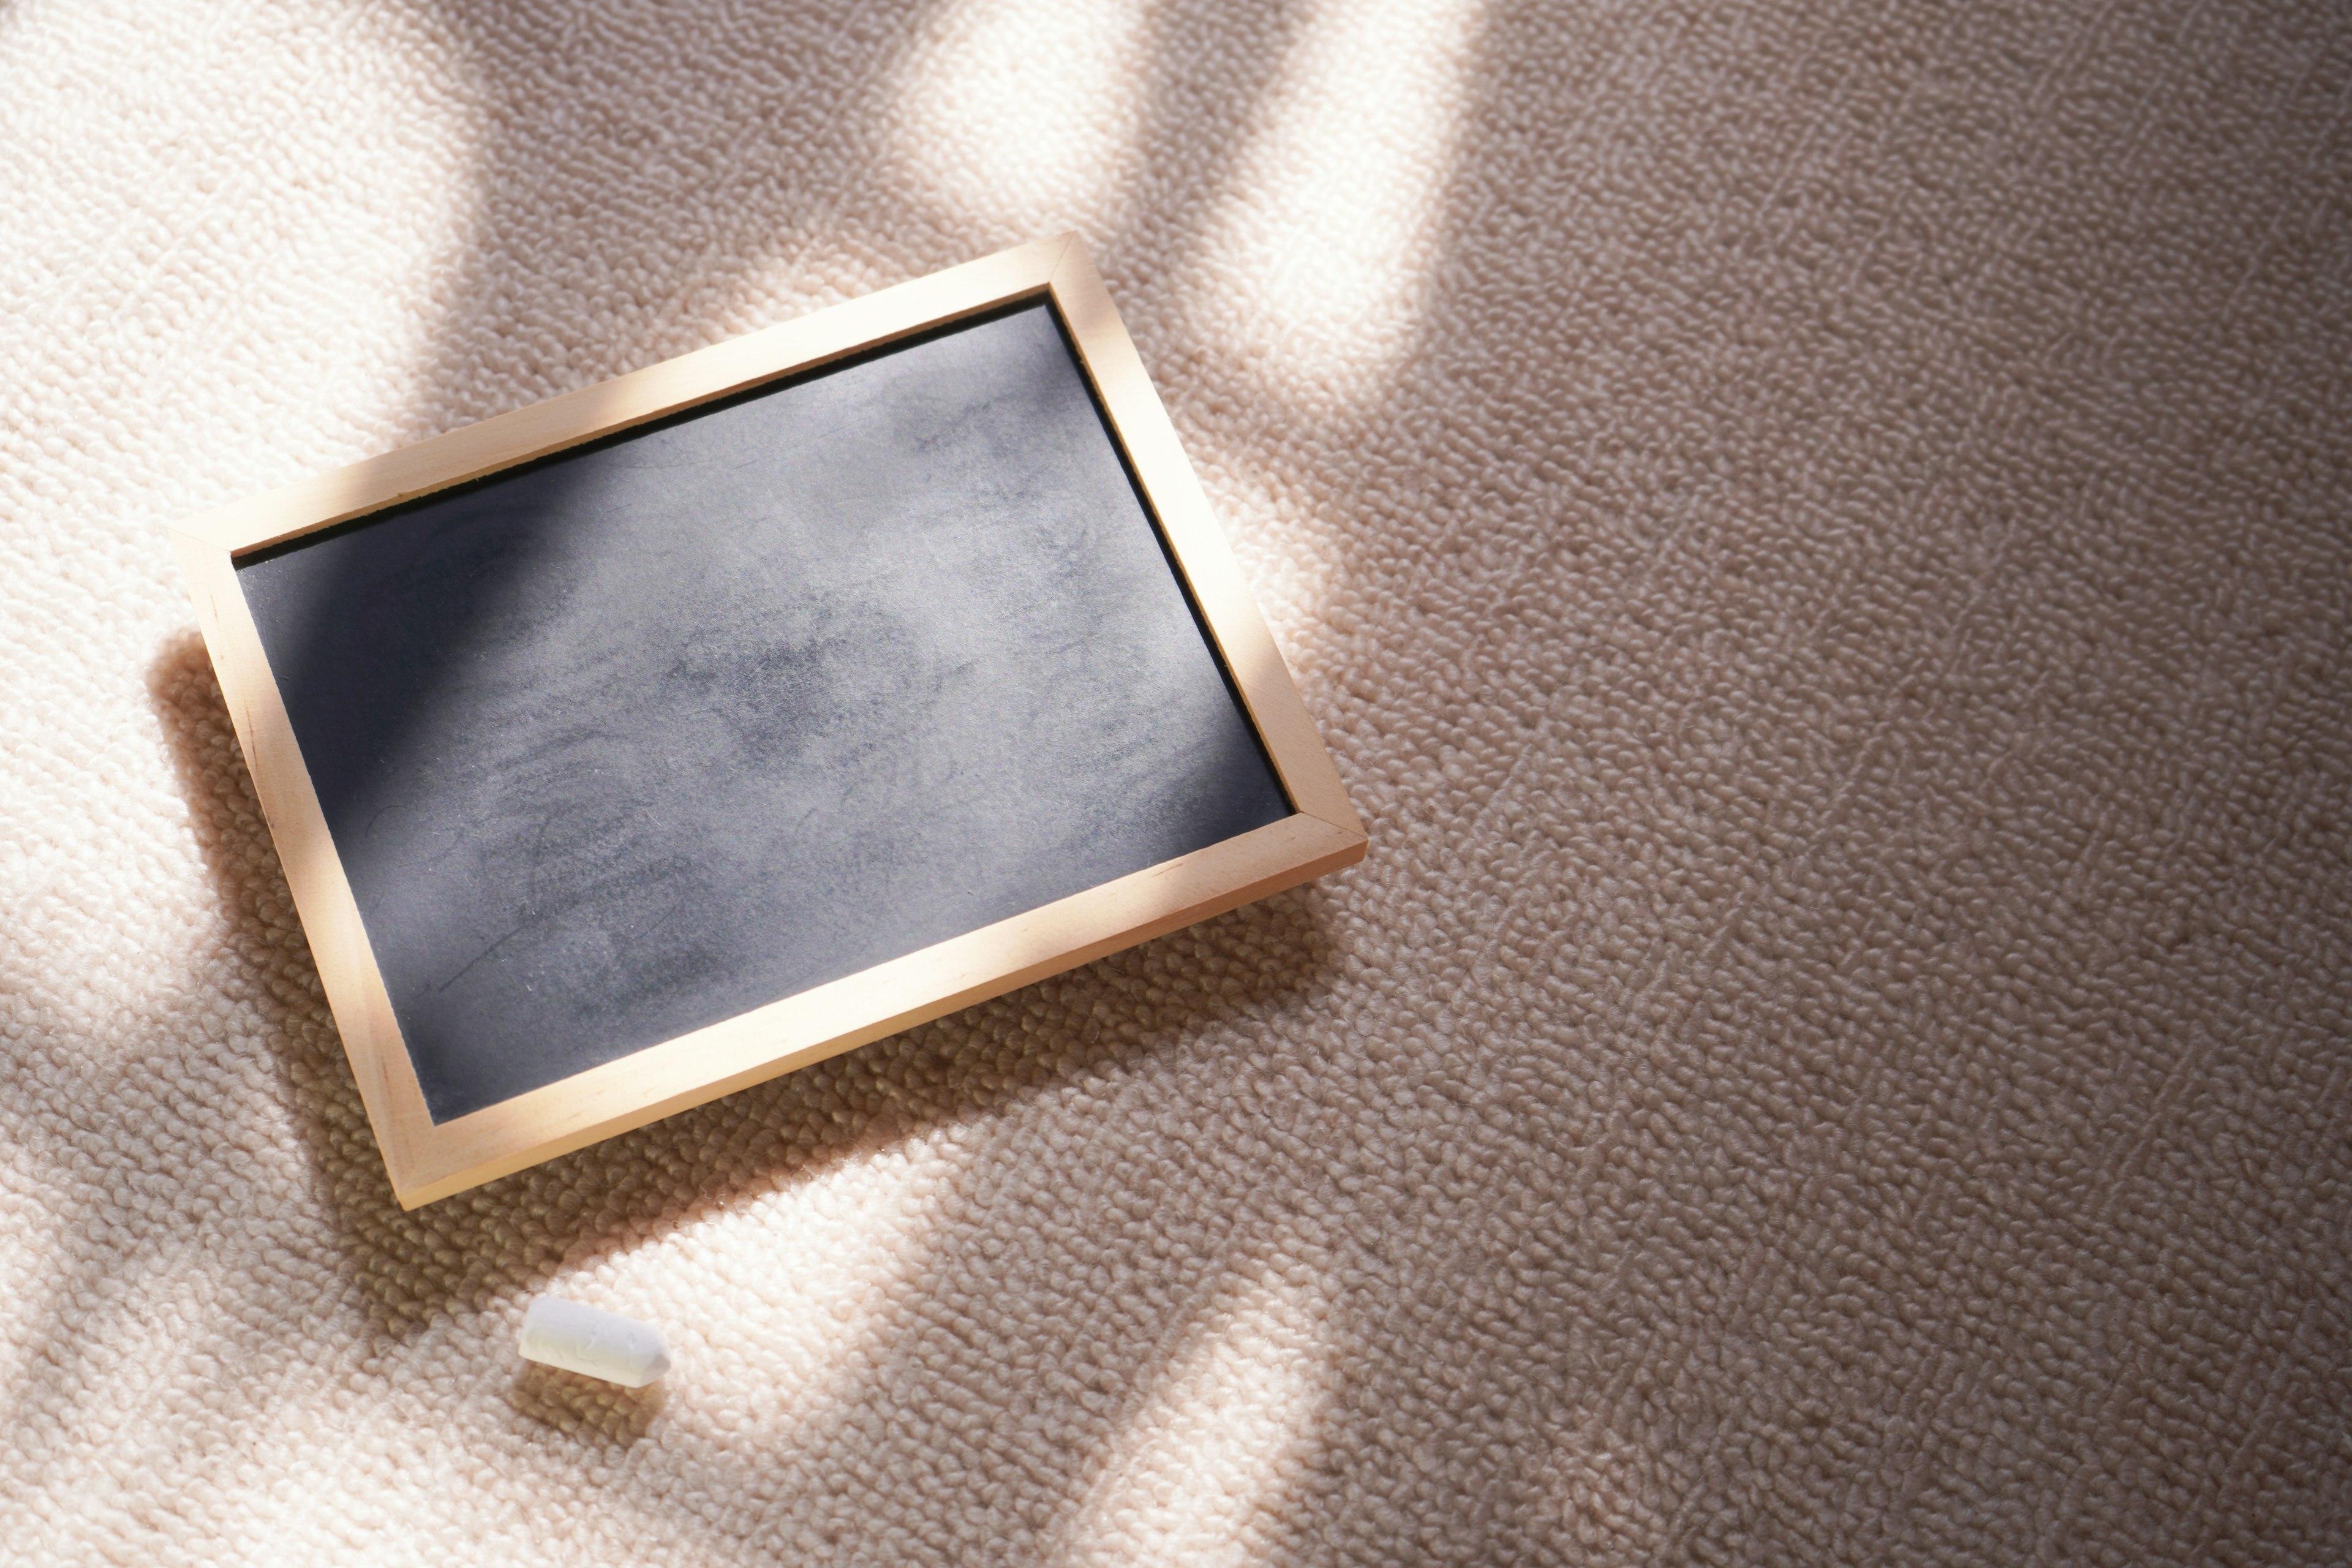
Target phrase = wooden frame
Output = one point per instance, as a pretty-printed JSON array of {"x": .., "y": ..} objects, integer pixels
[{"x": 428, "y": 1161}]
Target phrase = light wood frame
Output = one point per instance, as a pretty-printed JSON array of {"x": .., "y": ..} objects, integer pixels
[{"x": 426, "y": 1160}]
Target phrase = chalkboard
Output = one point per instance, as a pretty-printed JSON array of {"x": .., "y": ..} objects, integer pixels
[
  {"x": 701, "y": 724},
  {"x": 648, "y": 733}
]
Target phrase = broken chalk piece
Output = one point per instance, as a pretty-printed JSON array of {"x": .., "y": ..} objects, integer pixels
[{"x": 596, "y": 1343}]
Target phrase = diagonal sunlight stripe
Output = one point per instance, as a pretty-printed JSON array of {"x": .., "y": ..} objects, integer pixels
[
  {"x": 1331, "y": 223},
  {"x": 1195, "y": 1475},
  {"x": 1025, "y": 118}
]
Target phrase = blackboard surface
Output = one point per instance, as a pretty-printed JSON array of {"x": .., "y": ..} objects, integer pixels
[{"x": 653, "y": 733}]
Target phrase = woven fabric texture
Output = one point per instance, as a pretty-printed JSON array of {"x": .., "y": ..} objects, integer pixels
[{"x": 1819, "y": 535}]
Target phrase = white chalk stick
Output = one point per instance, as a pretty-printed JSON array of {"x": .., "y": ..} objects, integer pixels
[{"x": 600, "y": 1344}]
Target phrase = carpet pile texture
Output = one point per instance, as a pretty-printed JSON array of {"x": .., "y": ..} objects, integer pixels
[{"x": 1819, "y": 535}]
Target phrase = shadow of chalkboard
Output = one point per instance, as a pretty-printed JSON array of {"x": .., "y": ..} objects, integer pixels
[{"x": 642, "y": 736}]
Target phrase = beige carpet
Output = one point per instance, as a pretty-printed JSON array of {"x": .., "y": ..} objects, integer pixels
[{"x": 1819, "y": 534}]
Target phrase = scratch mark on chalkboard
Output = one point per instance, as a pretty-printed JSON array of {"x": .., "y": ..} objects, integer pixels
[{"x": 481, "y": 956}]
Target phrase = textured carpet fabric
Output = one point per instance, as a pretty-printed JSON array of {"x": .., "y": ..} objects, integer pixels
[{"x": 1819, "y": 534}]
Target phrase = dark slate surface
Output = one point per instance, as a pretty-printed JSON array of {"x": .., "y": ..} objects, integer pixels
[{"x": 646, "y": 735}]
